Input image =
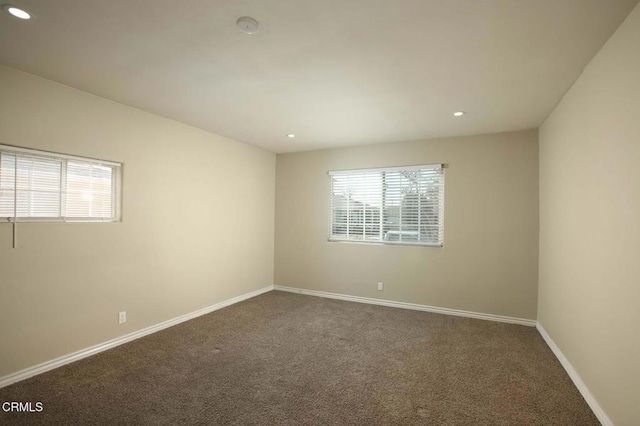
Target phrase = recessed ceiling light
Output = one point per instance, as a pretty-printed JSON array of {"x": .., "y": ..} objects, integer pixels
[
  {"x": 18, "y": 13},
  {"x": 458, "y": 113},
  {"x": 291, "y": 135},
  {"x": 247, "y": 25}
]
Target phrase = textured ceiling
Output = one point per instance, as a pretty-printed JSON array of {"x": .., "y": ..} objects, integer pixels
[{"x": 334, "y": 72}]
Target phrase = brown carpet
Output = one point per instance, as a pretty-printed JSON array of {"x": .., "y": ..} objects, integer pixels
[{"x": 287, "y": 359}]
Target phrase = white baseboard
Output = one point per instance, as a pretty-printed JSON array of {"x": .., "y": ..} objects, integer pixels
[
  {"x": 577, "y": 380},
  {"x": 66, "y": 359},
  {"x": 413, "y": 306}
]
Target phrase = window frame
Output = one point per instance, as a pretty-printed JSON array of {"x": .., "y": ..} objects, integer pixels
[
  {"x": 382, "y": 241},
  {"x": 116, "y": 187}
]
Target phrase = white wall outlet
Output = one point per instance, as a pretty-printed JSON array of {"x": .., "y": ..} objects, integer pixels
[
  {"x": 122, "y": 317},
  {"x": 380, "y": 286}
]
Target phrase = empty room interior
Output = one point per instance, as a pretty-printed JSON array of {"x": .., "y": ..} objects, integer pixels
[{"x": 336, "y": 212}]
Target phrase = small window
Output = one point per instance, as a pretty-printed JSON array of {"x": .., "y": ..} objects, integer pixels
[
  {"x": 395, "y": 205},
  {"x": 42, "y": 186}
]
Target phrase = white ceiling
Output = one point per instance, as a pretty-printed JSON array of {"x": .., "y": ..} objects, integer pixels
[{"x": 334, "y": 72}]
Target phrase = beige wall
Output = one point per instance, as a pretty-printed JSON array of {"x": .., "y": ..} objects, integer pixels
[
  {"x": 589, "y": 299},
  {"x": 61, "y": 290},
  {"x": 490, "y": 256}
]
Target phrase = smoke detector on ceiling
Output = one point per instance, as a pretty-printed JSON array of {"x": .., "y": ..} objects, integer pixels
[{"x": 247, "y": 25}]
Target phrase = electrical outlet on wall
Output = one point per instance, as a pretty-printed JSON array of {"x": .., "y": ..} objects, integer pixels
[
  {"x": 122, "y": 317},
  {"x": 380, "y": 286}
]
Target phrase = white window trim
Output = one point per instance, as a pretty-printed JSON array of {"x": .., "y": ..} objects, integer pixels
[
  {"x": 116, "y": 187},
  {"x": 437, "y": 166},
  {"x": 351, "y": 172}
]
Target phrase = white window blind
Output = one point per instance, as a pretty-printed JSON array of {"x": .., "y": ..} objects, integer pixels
[
  {"x": 395, "y": 205},
  {"x": 36, "y": 185}
]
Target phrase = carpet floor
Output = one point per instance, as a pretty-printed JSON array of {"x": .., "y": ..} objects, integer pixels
[{"x": 288, "y": 359}]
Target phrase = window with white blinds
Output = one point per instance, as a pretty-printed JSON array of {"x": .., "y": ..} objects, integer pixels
[
  {"x": 395, "y": 205},
  {"x": 43, "y": 186}
]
